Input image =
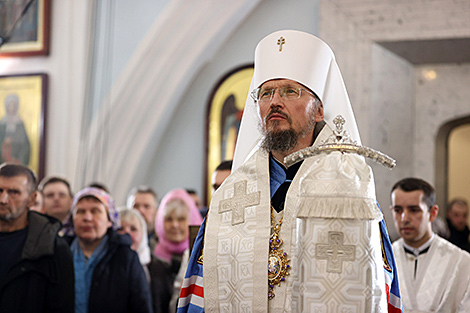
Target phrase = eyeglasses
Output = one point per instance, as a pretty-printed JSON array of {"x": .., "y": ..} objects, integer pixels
[{"x": 262, "y": 95}]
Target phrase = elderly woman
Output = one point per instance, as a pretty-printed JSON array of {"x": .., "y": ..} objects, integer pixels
[
  {"x": 133, "y": 223},
  {"x": 176, "y": 212},
  {"x": 108, "y": 273}
]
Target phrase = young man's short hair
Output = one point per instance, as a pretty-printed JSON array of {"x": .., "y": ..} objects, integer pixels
[
  {"x": 55, "y": 179},
  {"x": 225, "y": 165},
  {"x": 458, "y": 201},
  {"x": 99, "y": 186},
  {"x": 144, "y": 189},
  {"x": 411, "y": 184}
]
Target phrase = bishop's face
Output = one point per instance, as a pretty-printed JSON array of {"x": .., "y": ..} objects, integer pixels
[{"x": 282, "y": 114}]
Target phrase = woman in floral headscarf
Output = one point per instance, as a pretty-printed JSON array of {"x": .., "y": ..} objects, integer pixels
[
  {"x": 108, "y": 273},
  {"x": 176, "y": 213}
]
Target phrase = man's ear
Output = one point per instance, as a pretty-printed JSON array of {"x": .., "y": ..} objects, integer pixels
[
  {"x": 433, "y": 212},
  {"x": 319, "y": 115},
  {"x": 32, "y": 199}
]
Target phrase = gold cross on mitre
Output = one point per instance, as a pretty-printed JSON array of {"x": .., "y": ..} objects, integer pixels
[{"x": 280, "y": 42}]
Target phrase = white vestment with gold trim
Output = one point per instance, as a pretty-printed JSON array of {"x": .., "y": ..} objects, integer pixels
[{"x": 333, "y": 244}]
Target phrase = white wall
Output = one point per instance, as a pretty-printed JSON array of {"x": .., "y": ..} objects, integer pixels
[
  {"x": 391, "y": 121},
  {"x": 119, "y": 28},
  {"x": 437, "y": 101}
]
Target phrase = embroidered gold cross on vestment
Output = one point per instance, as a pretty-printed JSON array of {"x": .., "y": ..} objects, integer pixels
[
  {"x": 335, "y": 252},
  {"x": 239, "y": 202}
]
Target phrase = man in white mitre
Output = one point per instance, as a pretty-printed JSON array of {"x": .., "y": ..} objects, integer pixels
[
  {"x": 302, "y": 238},
  {"x": 434, "y": 274}
]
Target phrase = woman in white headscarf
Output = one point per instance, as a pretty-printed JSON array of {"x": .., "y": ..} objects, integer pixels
[{"x": 133, "y": 223}]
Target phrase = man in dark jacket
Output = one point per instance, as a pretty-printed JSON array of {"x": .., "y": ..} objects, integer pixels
[
  {"x": 36, "y": 266},
  {"x": 457, "y": 217}
]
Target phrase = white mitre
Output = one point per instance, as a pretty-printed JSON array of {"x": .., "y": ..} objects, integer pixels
[{"x": 306, "y": 59}]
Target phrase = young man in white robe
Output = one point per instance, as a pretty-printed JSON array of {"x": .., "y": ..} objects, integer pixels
[
  {"x": 434, "y": 274},
  {"x": 302, "y": 238}
]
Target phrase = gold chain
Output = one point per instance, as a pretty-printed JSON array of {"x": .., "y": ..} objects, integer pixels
[
  {"x": 276, "y": 228},
  {"x": 278, "y": 263}
]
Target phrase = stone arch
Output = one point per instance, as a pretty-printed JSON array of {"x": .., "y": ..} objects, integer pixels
[{"x": 442, "y": 159}]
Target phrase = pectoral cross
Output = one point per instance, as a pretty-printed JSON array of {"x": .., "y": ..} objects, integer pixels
[{"x": 280, "y": 42}]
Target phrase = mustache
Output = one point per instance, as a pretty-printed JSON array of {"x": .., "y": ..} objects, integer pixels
[{"x": 277, "y": 111}]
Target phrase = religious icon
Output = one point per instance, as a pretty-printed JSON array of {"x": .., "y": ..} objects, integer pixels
[
  {"x": 24, "y": 27},
  {"x": 14, "y": 141},
  {"x": 225, "y": 111},
  {"x": 22, "y": 120}
]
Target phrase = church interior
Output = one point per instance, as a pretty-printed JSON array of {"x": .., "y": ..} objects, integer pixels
[{"x": 129, "y": 85}]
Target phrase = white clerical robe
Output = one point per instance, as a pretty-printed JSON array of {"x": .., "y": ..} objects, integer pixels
[
  {"x": 334, "y": 248},
  {"x": 442, "y": 282}
]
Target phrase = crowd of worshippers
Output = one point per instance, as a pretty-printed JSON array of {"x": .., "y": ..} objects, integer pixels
[
  {"x": 66, "y": 252},
  {"x": 81, "y": 253}
]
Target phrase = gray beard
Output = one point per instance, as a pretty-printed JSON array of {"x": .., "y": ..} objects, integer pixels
[
  {"x": 281, "y": 141},
  {"x": 284, "y": 140},
  {"x": 8, "y": 217}
]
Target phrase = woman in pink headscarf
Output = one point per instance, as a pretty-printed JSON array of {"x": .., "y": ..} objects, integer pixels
[{"x": 176, "y": 213}]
